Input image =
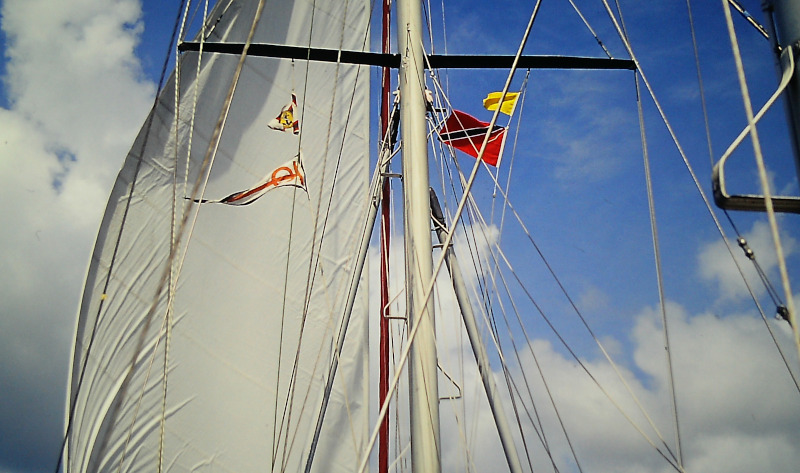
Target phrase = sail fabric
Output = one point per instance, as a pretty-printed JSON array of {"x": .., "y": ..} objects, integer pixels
[
  {"x": 214, "y": 356},
  {"x": 466, "y": 133}
]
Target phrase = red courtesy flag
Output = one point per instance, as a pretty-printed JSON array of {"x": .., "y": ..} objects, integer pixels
[{"x": 465, "y": 132}]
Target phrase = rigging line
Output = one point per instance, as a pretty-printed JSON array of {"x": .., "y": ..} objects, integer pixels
[
  {"x": 448, "y": 241},
  {"x": 762, "y": 174},
  {"x": 747, "y": 16},
  {"x": 173, "y": 282},
  {"x": 691, "y": 170},
  {"x": 602, "y": 348},
  {"x": 750, "y": 255},
  {"x": 506, "y": 371},
  {"x": 503, "y": 146},
  {"x": 700, "y": 82},
  {"x": 148, "y": 126},
  {"x": 591, "y": 30},
  {"x": 657, "y": 257},
  {"x": 703, "y": 195},
  {"x": 166, "y": 326},
  {"x": 683, "y": 154},
  {"x": 580, "y": 315},
  {"x": 484, "y": 295},
  {"x": 139, "y": 401},
  {"x": 311, "y": 273},
  {"x": 513, "y": 154},
  {"x": 374, "y": 194},
  {"x": 277, "y": 430},
  {"x": 529, "y": 345},
  {"x": 686, "y": 160},
  {"x": 583, "y": 366},
  {"x": 764, "y": 317},
  {"x": 313, "y": 267},
  {"x": 473, "y": 205},
  {"x": 659, "y": 271}
]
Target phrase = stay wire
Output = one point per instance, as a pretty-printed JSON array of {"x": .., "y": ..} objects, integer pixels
[
  {"x": 511, "y": 385},
  {"x": 659, "y": 273},
  {"x": 762, "y": 174},
  {"x": 700, "y": 83},
  {"x": 473, "y": 208},
  {"x": 490, "y": 319},
  {"x": 173, "y": 283},
  {"x": 696, "y": 182},
  {"x": 591, "y": 30},
  {"x": 657, "y": 257},
  {"x": 690, "y": 170},
  {"x": 591, "y": 333},
  {"x": 488, "y": 312}
]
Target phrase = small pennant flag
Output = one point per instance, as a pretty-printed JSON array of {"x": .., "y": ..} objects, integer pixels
[
  {"x": 465, "y": 132},
  {"x": 287, "y": 119},
  {"x": 493, "y": 99},
  {"x": 289, "y": 174}
]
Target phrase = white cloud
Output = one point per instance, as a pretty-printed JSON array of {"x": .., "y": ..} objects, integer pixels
[
  {"x": 736, "y": 402},
  {"x": 76, "y": 99},
  {"x": 716, "y": 266}
]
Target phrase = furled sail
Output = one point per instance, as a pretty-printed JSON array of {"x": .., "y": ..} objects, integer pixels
[{"x": 215, "y": 354}]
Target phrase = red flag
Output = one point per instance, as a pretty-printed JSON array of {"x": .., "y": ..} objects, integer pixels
[{"x": 467, "y": 133}]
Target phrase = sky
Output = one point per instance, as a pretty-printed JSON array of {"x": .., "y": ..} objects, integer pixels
[{"x": 78, "y": 78}]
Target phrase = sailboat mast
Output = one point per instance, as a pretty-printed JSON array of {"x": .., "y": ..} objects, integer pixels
[
  {"x": 424, "y": 392},
  {"x": 787, "y": 24},
  {"x": 385, "y": 228}
]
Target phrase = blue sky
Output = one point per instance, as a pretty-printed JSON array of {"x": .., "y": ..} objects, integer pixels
[{"x": 78, "y": 78}]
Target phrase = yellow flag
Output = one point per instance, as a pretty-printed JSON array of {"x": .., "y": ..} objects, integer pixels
[{"x": 491, "y": 101}]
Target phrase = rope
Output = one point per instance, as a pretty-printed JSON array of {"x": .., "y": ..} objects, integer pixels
[
  {"x": 762, "y": 174},
  {"x": 484, "y": 293},
  {"x": 173, "y": 277},
  {"x": 657, "y": 256}
]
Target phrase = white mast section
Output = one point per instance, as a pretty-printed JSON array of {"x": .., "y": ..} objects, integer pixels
[
  {"x": 787, "y": 23},
  {"x": 424, "y": 391}
]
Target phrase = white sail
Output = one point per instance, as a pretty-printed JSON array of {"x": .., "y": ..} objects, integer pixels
[{"x": 216, "y": 355}]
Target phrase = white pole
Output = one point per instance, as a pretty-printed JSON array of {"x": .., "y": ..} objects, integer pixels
[
  {"x": 787, "y": 24},
  {"x": 423, "y": 384}
]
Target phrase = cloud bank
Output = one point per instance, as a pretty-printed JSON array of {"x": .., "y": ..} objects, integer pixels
[{"x": 76, "y": 97}]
